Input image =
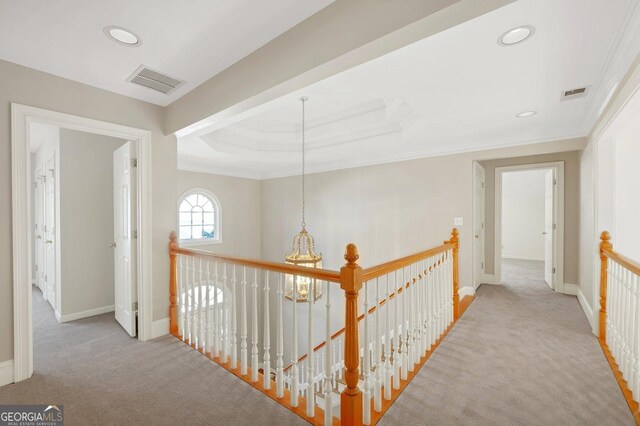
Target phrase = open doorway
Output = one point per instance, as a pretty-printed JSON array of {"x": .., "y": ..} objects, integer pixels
[
  {"x": 83, "y": 204},
  {"x": 82, "y": 220},
  {"x": 529, "y": 206}
]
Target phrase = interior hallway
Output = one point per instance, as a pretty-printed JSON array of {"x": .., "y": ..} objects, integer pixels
[
  {"x": 102, "y": 376},
  {"x": 520, "y": 354}
]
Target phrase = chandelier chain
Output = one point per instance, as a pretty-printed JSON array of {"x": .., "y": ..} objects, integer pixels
[{"x": 303, "y": 141}]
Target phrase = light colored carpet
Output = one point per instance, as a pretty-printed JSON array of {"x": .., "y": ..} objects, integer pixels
[
  {"x": 104, "y": 377},
  {"x": 520, "y": 355}
]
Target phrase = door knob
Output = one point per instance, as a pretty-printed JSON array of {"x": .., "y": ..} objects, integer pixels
[
  {"x": 544, "y": 233},
  {"x": 477, "y": 236},
  {"x": 48, "y": 241},
  {"x": 113, "y": 245},
  {"x": 38, "y": 237}
]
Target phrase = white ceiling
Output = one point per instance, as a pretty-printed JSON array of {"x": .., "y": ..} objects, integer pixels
[
  {"x": 192, "y": 40},
  {"x": 453, "y": 92}
]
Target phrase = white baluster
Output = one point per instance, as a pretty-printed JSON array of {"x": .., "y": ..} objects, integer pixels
[
  {"x": 254, "y": 328},
  {"x": 294, "y": 346},
  {"x": 216, "y": 313},
  {"x": 201, "y": 310},
  {"x": 311, "y": 397},
  {"x": 388, "y": 371},
  {"x": 225, "y": 318},
  {"x": 405, "y": 331},
  {"x": 207, "y": 311},
  {"x": 193, "y": 338},
  {"x": 243, "y": 324},
  {"x": 636, "y": 339},
  {"x": 366, "y": 397},
  {"x": 377, "y": 347},
  {"x": 397, "y": 355},
  {"x": 266, "y": 336},
  {"x": 280, "y": 340},
  {"x": 327, "y": 386},
  {"x": 412, "y": 320},
  {"x": 187, "y": 302},
  {"x": 234, "y": 307}
]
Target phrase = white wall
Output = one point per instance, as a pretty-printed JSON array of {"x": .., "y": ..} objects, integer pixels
[
  {"x": 241, "y": 211},
  {"x": 523, "y": 208},
  {"x": 30, "y": 87},
  {"x": 86, "y": 221}
]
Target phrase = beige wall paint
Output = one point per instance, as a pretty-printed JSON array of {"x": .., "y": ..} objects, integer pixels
[
  {"x": 342, "y": 35},
  {"x": 571, "y": 207},
  {"x": 86, "y": 220},
  {"x": 240, "y": 202},
  {"x": 30, "y": 87}
]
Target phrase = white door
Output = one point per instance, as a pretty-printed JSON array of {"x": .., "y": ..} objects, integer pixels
[
  {"x": 478, "y": 224},
  {"x": 49, "y": 234},
  {"x": 549, "y": 227},
  {"x": 38, "y": 228},
  {"x": 124, "y": 203}
]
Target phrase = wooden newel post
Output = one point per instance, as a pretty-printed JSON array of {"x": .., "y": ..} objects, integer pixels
[
  {"x": 173, "y": 277},
  {"x": 456, "y": 277},
  {"x": 351, "y": 283},
  {"x": 605, "y": 244}
]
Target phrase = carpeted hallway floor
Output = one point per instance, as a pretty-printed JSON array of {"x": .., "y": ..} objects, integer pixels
[
  {"x": 104, "y": 377},
  {"x": 520, "y": 355}
]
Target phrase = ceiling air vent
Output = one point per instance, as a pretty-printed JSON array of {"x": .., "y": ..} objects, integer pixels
[
  {"x": 580, "y": 92},
  {"x": 155, "y": 80}
]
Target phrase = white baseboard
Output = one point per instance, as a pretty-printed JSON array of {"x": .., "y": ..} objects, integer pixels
[
  {"x": 160, "y": 328},
  {"x": 488, "y": 279},
  {"x": 86, "y": 314},
  {"x": 571, "y": 289},
  {"x": 587, "y": 309},
  {"x": 513, "y": 257},
  {"x": 6, "y": 372},
  {"x": 466, "y": 291}
]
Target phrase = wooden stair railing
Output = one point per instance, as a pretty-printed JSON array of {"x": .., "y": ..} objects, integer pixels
[
  {"x": 206, "y": 289},
  {"x": 619, "y": 319}
]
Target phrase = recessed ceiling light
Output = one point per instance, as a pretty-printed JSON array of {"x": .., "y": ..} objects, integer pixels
[
  {"x": 526, "y": 114},
  {"x": 516, "y": 35},
  {"x": 122, "y": 36}
]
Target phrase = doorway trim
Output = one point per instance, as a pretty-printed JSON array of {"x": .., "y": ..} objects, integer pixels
[
  {"x": 558, "y": 241},
  {"x": 476, "y": 253},
  {"x": 21, "y": 118}
]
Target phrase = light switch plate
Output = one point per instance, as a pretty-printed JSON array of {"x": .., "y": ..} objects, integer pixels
[{"x": 458, "y": 221}]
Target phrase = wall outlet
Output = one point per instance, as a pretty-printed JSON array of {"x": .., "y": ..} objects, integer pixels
[{"x": 458, "y": 221}]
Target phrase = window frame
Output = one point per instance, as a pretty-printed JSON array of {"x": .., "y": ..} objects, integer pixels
[{"x": 217, "y": 217}]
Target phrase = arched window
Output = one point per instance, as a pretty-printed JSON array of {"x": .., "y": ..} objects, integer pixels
[{"x": 199, "y": 216}]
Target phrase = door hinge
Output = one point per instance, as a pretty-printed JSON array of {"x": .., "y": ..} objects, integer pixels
[
  {"x": 134, "y": 234},
  {"x": 134, "y": 306},
  {"x": 482, "y": 265},
  {"x": 36, "y": 268},
  {"x": 482, "y": 225},
  {"x": 554, "y": 270},
  {"x": 483, "y": 184},
  {"x": 555, "y": 182},
  {"x": 134, "y": 162},
  {"x": 45, "y": 278},
  {"x": 554, "y": 226},
  {"x": 35, "y": 185}
]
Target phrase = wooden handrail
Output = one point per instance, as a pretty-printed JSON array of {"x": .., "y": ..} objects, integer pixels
[
  {"x": 317, "y": 273},
  {"x": 379, "y": 270},
  {"x": 622, "y": 260}
]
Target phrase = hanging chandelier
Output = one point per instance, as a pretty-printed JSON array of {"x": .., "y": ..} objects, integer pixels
[{"x": 298, "y": 288}]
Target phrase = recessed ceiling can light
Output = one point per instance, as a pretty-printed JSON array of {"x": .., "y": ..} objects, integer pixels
[
  {"x": 516, "y": 35},
  {"x": 526, "y": 114},
  {"x": 122, "y": 36}
]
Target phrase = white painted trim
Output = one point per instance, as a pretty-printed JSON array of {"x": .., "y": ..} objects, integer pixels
[
  {"x": 466, "y": 291},
  {"x": 160, "y": 328},
  {"x": 21, "y": 117},
  {"x": 489, "y": 279},
  {"x": 558, "y": 252},
  {"x": 86, "y": 314},
  {"x": 587, "y": 310},
  {"x": 6, "y": 372},
  {"x": 478, "y": 167},
  {"x": 522, "y": 258},
  {"x": 571, "y": 289}
]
